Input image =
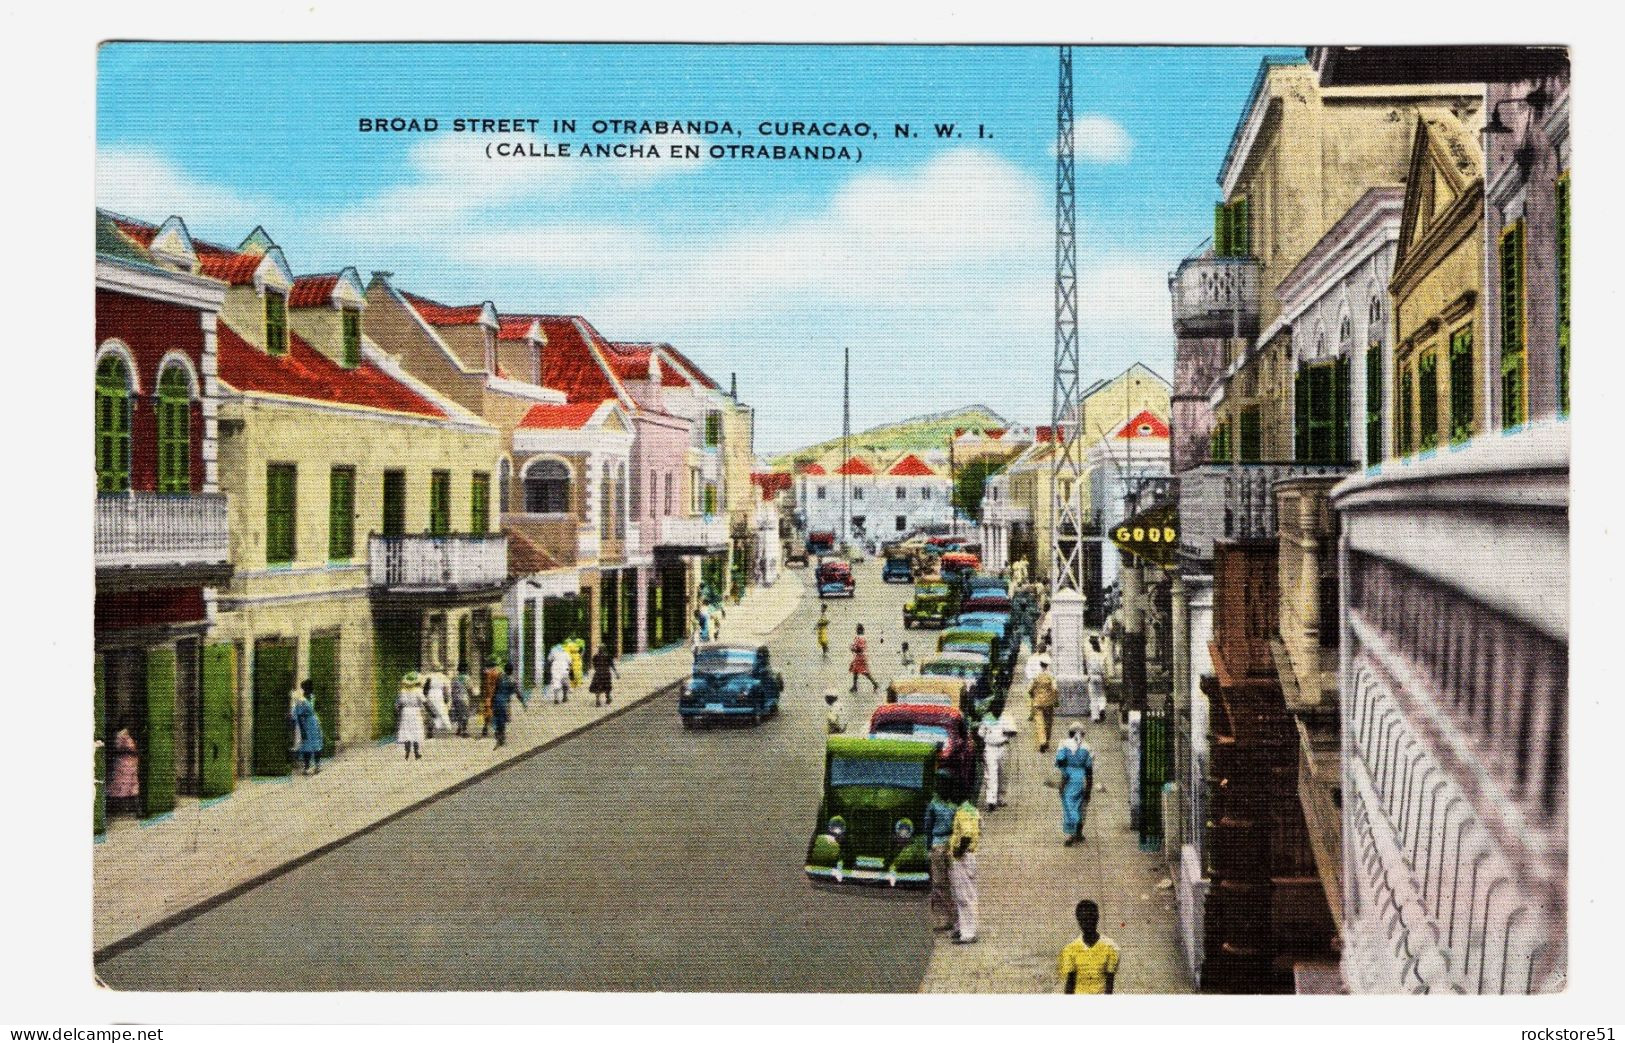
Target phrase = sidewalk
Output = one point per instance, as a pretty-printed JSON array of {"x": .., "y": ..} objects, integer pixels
[
  {"x": 145, "y": 874},
  {"x": 1029, "y": 883}
]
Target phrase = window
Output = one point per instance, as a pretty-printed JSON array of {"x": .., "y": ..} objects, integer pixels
[
  {"x": 1514, "y": 389},
  {"x": 1403, "y": 412},
  {"x": 174, "y": 431},
  {"x": 1461, "y": 385},
  {"x": 1561, "y": 219},
  {"x": 280, "y": 513},
  {"x": 710, "y": 504},
  {"x": 1251, "y": 437},
  {"x": 1232, "y": 229},
  {"x": 341, "y": 514},
  {"x": 1219, "y": 443},
  {"x": 670, "y": 496},
  {"x": 504, "y": 485},
  {"x": 821, "y": 492},
  {"x": 351, "y": 319},
  {"x": 713, "y": 429},
  {"x": 925, "y": 494},
  {"x": 1427, "y": 406},
  {"x": 112, "y": 425},
  {"x": 547, "y": 488},
  {"x": 902, "y": 494},
  {"x": 276, "y": 322},
  {"x": 439, "y": 503},
  {"x": 1320, "y": 431},
  {"x": 1373, "y": 404},
  {"x": 479, "y": 511},
  {"x": 394, "y": 503},
  {"x": 902, "y": 523},
  {"x": 857, "y": 494}
]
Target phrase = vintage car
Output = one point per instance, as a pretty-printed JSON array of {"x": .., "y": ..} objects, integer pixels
[
  {"x": 930, "y": 606},
  {"x": 944, "y": 725},
  {"x": 730, "y": 681},
  {"x": 974, "y": 669},
  {"x": 956, "y": 562},
  {"x": 820, "y": 543},
  {"x": 982, "y": 642},
  {"x": 987, "y": 603},
  {"x": 835, "y": 579},
  {"x": 981, "y": 582},
  {"x": 899, "y": 568},
  {"x": 997, "y": 622},
  {"x": 930, "y": 691},
  {"x": 871, "y": 823}
]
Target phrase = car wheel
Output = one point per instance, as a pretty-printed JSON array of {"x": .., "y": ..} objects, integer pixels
[
  {"x": 688, "y": 723},
  {"x": 755, "y": 718}
]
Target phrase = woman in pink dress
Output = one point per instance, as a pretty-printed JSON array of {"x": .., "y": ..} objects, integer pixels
[
  {"x": 124, "y": 788},
  {"x": 860, "y": 661}
]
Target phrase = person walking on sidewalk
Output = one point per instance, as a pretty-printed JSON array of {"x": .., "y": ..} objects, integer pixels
[
  {"x": 995, "y": 734},
  {"x": 434, "y": 695},
  {"x": 124, "y": 787},
  {"x": 558, "y": 674},
  {"x": 1077, "y": 764},
  {"x": 1044, "y": 695},
  {"x": 501, "y": 701},
  {"x": 409, "y": 709},
  {"x": 860, "y": 661},
  {"x": 822, "y": 629},
  {"x": 962, "y": 843},
  {"x": 1088, "y": 963},
  {"x": 459, "y": 700},
  {"x": 488, "y": 690},
  {"x": 603, "y": 675},
  {"x": 939, "y": 829},
  {"x": 308, "y": 727}
]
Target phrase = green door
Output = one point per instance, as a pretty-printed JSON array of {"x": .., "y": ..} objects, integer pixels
[
  {"x": 273, "y": 683},
  {"x": 158, "y": 766},
  {"x": 499, "y": 640},
  {"x": 99, "y": 814},
  {"x": 324, "y": 678},
  {"x": 395, "y": 653},
  {"x": 219, "y": 724},
  {"x": 527, "y": 646},
  {"x": 394, "y": 503}
]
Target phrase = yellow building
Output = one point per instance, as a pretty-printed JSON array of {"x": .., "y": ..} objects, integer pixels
[{"x": 360, "y": 510}]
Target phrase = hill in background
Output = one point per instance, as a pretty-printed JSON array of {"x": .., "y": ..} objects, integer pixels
[{"x": 916, "y": 434}]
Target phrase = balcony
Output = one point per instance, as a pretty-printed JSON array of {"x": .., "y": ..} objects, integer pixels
[
  {"x": 147, "y": 539},
  {"x": 694, "y": 535},
  {"x": 1455, "y": 694},
  {"x": 1234, "y": 502},
  {"x": 1215, "y": 297},
  {"x": 436, "y": 567},
  {"x": 1307, "y": 653},
  {"x": 1003, "y": 512}
]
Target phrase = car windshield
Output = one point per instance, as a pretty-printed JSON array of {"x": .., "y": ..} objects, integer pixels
[
  {"x": 951, "y": 669},
  {"x": 861, "y": 771},
  {"x": 724, "y": 661},
  {"x": 929, "y": 732}
]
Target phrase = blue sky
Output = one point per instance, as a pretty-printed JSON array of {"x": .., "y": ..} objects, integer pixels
[{"x": 932, "y": 259}]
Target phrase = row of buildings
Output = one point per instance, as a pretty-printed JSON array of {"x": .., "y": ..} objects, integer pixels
[
  {"x": 1364, "y": 657},
  {"x": 308, "y": 476}
]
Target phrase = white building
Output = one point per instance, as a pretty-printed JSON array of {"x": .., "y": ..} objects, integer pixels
[
  {"x": 880, "y": 503},
  {"x": 1117, "y": 466}
]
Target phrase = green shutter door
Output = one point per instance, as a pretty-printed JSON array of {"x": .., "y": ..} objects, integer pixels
[
  {"x": 324, "y": 678},
  {"x": 219, "y": 769},
  {"x": 99, "y": 814},
  {"x": 499, "y": 639},
  {"x": 394, "y": 507},
  {"x": 440, "y": 503},
  {"x": 1241, "y": 237},
  {"x": 1373, "y": 404},
  {"x": 158, "y": 766},
  {"x": 1300, "y": 415},
  {"x": 273, "y": 683},
  {"x": 527, "y": 646},
  {"x": 1221, "y": 230},
  {"x": 395, "y": 653}
]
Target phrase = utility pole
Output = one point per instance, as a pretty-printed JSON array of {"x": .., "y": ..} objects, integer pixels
[
  {"x": 846, "y": 442},
  {"x": 1066, "y": 419}
]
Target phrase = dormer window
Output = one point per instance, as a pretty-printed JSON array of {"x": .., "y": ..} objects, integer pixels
[
  {"x": 276, "y": 322},
  {"x": 351, "y": 331},
  {"x": 490, "y": 350}
]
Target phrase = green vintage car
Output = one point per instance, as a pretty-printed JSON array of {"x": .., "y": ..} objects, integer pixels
[
  {"x": 931, "y": 606},
  {"x": 974, "y": 667},
  {"x": 982, "y": 641},
  {"x": 870, "y": 826}
]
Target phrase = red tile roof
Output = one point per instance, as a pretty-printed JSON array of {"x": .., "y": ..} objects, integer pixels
[
  {"x": 688, "y": 364},
  {"x": 437, "y": 314},
  {"x": 306, "y": 373},
  {"x": 814, "y": 469},
  {"x": 218, "y": 262},
  {"x": 514, "y": 327},
  {"x": 1146, "y": 418},
  {"x": 911, "y": 466},
  {"x": 854, "y": 465},
  {"x": 771, "y": 482},
  {"x": 570, "y": 417},
  {"x": 994, "y": 433},
  {"x": 311, "y": 291},
  {"x": 526, "y": 556},
  {"x": 630, "y": 361}
]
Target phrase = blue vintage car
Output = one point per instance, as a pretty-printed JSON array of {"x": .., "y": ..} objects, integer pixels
[
  {"x": 898, "y": 570},
  {"x": 730, "y": 681}
]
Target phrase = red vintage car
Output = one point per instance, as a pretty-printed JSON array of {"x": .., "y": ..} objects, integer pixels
[
  {"x": 943, "y": 725},
  {"x": 955, "y": 562},
  {"x": 835, "y": 579}
]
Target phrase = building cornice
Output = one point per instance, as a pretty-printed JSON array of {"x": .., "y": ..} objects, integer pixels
[
  {"x": 231, "y": 396},
  {"x": 171, "y": 287}
]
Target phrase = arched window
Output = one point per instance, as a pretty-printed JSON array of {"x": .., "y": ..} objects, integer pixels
[
  {"x": 1345, "y": 335},
  {"x": 174, "y": 431},
  {"x": 547, "y": 488},
  {"x": 112, "y": 425},
  {"x": 504, "y": 482}
]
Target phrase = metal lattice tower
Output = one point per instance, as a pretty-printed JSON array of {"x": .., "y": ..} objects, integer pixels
[{"x": 1066, "y": 405}]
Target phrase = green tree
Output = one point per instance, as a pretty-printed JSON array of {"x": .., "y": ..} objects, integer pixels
[{"x": 969, "y": 482}]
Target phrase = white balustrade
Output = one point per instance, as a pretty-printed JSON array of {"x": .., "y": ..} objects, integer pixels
[
  {"x": 159, "y": 530},
  {"x": 408, "y": 563}
]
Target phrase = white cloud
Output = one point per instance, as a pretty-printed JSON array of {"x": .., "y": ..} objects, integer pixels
[
  {"x": 1098, "y": 138},
  {"x": 145, "y": 184}
]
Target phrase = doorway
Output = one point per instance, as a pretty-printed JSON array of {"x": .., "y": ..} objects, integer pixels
[
  {"x": 394, "y": 503},
  {"x": 324, "y": 682},
  {"x": 273, "y": 684}
]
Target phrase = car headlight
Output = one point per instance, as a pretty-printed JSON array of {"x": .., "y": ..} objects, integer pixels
[
  {"x": 837, "y": 827},
  {"x": 903, "y": 830}
]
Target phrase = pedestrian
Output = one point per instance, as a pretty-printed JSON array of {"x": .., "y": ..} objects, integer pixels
[
  {"x": 962, "y": 843},
  {"x": 603, "y": 675},
  {"x": 501, "y": 698},
  {"x": 459, "y": 699},
  {"x": 488, "y": 689},
  {"x": 906, "y": 658},
  {"x": 1096, "y": 667},
  {"x": 1088, "y": 963},
  {"x": 697, "y": 634},
  {"x": 822, "y": 629},
  {"x": 409, "y": 708},
  {"x": 1077, "y": 764},
  {"x": 434, "y": 696},
  {"x": 835, "y": 716},
  {"x": 307, "y": 726},
  {"x": 1044, "y": 695},
  {"x": 703, "y": 614},
  {"x": 996, "y": 735},
  {"x": 124, "y": 787},
  {"x": 860, "y": 661},
  {"x": 719, "y": 612},
  {"x": 939, "y": 828},
  {"x": 558, "y": 674}
]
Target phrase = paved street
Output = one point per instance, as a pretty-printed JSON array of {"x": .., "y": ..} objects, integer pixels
[{"x": 633, "y": 856}]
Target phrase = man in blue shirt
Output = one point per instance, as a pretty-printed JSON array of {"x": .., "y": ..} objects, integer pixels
[{"x": 939, "y": 827}]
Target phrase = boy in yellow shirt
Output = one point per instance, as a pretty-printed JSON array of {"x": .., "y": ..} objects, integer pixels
[{"x": 1088, "y": 964}]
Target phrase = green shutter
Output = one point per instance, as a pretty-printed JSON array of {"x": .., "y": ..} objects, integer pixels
[
  {"x": 394, "y": 504},
  {"x": 1373, "y": 404},
  {"x": 1427, "y": 406},
  {"x": 1341, "y": 406},
  {"x": 1241, "y": 231},
  {"x": 1251, "y": 437},
  {"x": 276, "y": 322},
  {"x": 1300, "y": 416},
  {"x": 113, "y": 407},
  {"x": 1404, "y": 434},
  {"x": 1461, "y": 384},
  {"x": 479, "y": 520},
  {"x": 341, "y": 514},
  {"x": 1563, "y": 275},
  {"x": 279, "y": 513},
  {"x": 499, "y": 639},
  {"x": 439, "y": 503},
  {"x": 1514, "y": 390},
  {"x": 352, "y": 338},
  {"x": 324, "y": 681},
  {"x": 219, "y": 772},
  {"x": 273, "y": 685},
  {"x": 99, "y": 812},
  {"x": 174, "y": 431},
  {"x": 158, "y": 760},
  {"x": 1221, "y": 230}
]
